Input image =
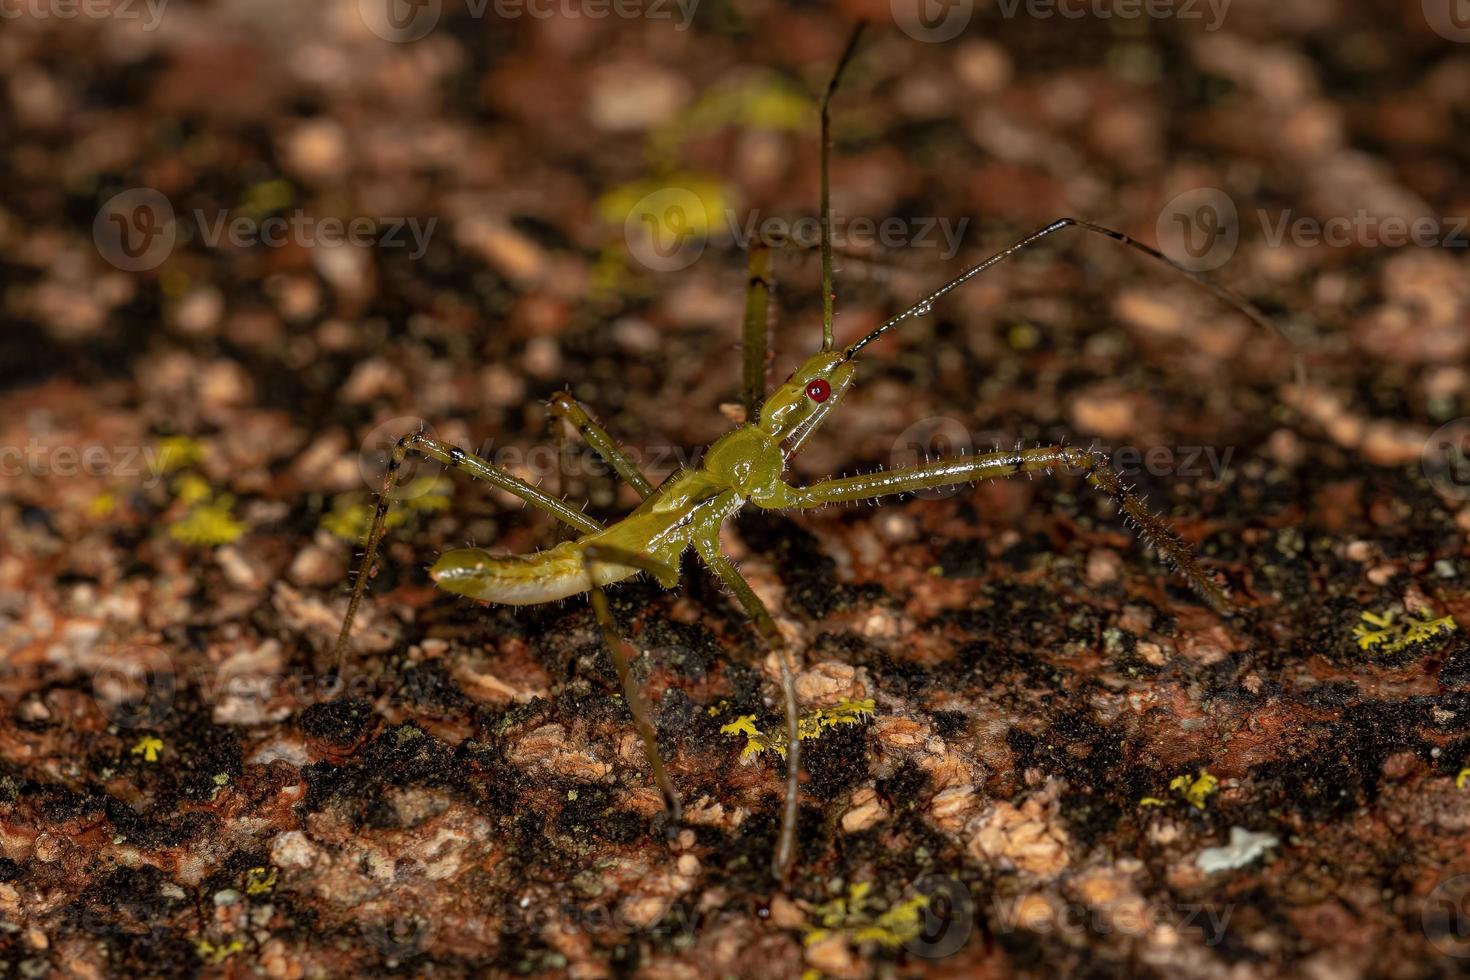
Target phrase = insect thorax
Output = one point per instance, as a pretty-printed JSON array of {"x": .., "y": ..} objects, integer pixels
[{"x": 747, "y": 460}]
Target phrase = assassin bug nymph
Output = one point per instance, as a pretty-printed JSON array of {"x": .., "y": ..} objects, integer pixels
[{"x": 746, "y": 466}]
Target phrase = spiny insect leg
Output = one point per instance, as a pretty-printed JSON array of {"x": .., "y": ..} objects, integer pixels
[
  {"x": 592, "y": 556},
  {"x": 708, "y": 546},
  {"x": 563, "y": 406},
  {"x": 948, "y": 472},
  {"x": 418, "y": 442}
]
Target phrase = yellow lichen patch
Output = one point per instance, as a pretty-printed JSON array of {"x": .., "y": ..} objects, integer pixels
[
  {"x": 102, "y": 505},
  {"x": 260, "y": 881},
  {"x": 191, "y": 489},
  {"x": 351, "y": 517},
  {"x": 266, "y": 197},
  {"x": 1462, "y": 777},
  {"x": 1152, "y": 801},
  {"x": 1195, "y": 790},
  {"x": 179, "y": 453},
  {"x": 676, "y": 220},
  {"x": 148, "y": 747},
  {"x": 1384, "y": 634},
  {"x": 207, "y": 524},
  {"x": 854, "y": 917},
  {"x": 759, "y": 102},
  {"x": 218, "y": 954},
  {"x": 809, "y": 726}
]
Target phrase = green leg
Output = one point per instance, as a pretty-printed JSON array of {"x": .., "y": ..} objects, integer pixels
[
  {"x": 827, "y": 293},
  {"x": 706, "y": 536},
  {"x": 466, "y": 463},
  {"x": 592, "y": 555},
  {"x": 563, "y": 406},
  {"x": 948, "y": 472},
  {"x": 755, "y": 346}
]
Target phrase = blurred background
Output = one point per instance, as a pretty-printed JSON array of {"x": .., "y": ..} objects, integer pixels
[{"x": 245, "y": 244}]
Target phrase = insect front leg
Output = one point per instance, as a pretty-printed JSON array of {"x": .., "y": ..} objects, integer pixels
[
  {"x": 949, "y": 472},
  {"x": 418, "y": 442},
  {"x": 594, "y": 555},
  {"x": 706, "y": 538}
]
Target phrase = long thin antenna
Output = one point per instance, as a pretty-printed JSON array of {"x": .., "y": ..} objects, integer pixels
[
  {"x": 827, "y": 294},
  {"x": 1245, "y": 306}
]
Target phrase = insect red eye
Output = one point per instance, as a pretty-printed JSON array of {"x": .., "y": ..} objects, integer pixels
[{"x": 818, "y": 390}]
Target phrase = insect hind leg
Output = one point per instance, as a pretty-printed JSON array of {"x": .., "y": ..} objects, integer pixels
[{"x": 594, "y": 555}]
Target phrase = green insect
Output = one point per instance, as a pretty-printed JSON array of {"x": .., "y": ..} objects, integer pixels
[{"x": 745, "y": 467}]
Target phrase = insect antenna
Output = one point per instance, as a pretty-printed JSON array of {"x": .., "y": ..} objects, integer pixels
[
  {"x": 826, "y": 206},
  {"x": 1221, "y": 291}
]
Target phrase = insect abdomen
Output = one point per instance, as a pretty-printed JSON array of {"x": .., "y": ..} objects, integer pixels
[{"x": 520, "y": 580}]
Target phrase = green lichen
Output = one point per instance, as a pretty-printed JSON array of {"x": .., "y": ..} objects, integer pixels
[
  {"x": 676, "y": 221},
  {"x": 209, "y": 523},
  {"x": 351, "y": 516},
  {"x": 148, "y": 747},
  {"x": 855, "y": 916},
  {"x": 177, "y": 453},
  {"x": 1385, "y": 634},
  {"x": 809, "y": 726},
  {"x": 1197, "y": 789},
  {"x": 260, "y": 881},
  {"x": 211, "y": 953}
]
